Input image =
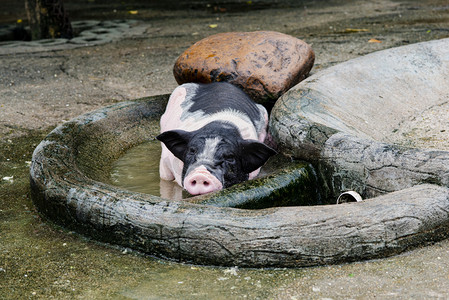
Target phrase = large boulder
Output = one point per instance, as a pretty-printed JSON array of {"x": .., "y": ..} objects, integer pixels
[{"x": 265, "y": 64}]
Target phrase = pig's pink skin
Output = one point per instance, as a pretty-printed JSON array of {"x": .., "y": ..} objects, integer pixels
[
  {"x": 170, "y": 167},
  {"x": 201, "y": 181}
]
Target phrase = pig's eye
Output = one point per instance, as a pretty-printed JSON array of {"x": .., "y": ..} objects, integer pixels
[
  {"x": 229, "y": 159},
  {"x": 192, "y": 151}
]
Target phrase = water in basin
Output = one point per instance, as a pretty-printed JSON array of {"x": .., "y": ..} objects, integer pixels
[{"x": 138, "y": 171}]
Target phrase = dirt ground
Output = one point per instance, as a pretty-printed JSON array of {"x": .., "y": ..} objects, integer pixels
[{"x": 42, "y": 88}]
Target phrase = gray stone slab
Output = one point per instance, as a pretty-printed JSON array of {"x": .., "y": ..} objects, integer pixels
[
  {"x": 352, "y": 119},
  {"x": 376, "y": 95}
]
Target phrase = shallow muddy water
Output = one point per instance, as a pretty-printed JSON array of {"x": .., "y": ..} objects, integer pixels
[{"x": 138, "y": 171}]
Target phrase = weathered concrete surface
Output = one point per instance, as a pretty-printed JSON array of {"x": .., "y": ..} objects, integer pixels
[
  {"x": 369, "y": 100},
  {"x": 41, "y": 261},
  {"x": 379, "y": 95}
]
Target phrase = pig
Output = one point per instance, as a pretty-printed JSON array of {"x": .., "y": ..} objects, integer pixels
[{"x": 212, "y": 137}]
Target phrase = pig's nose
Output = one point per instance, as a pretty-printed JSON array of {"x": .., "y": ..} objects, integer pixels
[
  {"x": 200, "y": 181},
  {"x": 199, "y": 184}
]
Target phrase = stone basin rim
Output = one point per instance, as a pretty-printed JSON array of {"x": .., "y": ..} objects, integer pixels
[
  {"x": 349, "y": 119},
  {"x": 207, "y": 235}
]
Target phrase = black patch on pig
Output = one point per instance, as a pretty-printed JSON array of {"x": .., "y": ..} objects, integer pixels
[{"x": 219, "y": 96}]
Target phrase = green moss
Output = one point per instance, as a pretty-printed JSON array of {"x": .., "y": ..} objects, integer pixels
[{"x": 288, "y": 184}]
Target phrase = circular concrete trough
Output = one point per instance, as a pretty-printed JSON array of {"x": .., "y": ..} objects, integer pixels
[{"x": 70, "y": 183}]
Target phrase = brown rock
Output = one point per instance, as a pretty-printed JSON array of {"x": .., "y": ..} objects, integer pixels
[{"x": 263, "y": 63}]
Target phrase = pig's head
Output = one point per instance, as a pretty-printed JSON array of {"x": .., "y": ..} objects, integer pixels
[{"x": 215, "y": 156}]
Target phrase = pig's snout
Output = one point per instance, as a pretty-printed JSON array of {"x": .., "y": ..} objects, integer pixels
[{"x": 201, "y": 181}]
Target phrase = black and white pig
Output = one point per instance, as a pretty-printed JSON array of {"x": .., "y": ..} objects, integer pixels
[{"x": 212, "y": 137}]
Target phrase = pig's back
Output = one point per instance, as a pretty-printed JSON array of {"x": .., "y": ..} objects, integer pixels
[
  {"x": 219, "y": 96},
  {"x": 193, "y": 105},
  {"x": 222, "y": 101}
]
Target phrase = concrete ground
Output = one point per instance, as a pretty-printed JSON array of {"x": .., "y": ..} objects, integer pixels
[{"x": 42, "y": 87}]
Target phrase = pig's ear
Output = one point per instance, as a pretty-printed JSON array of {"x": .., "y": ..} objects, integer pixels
[
  {"x": 254, "y": 155},
  {"x": 176, "y": 141}
]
